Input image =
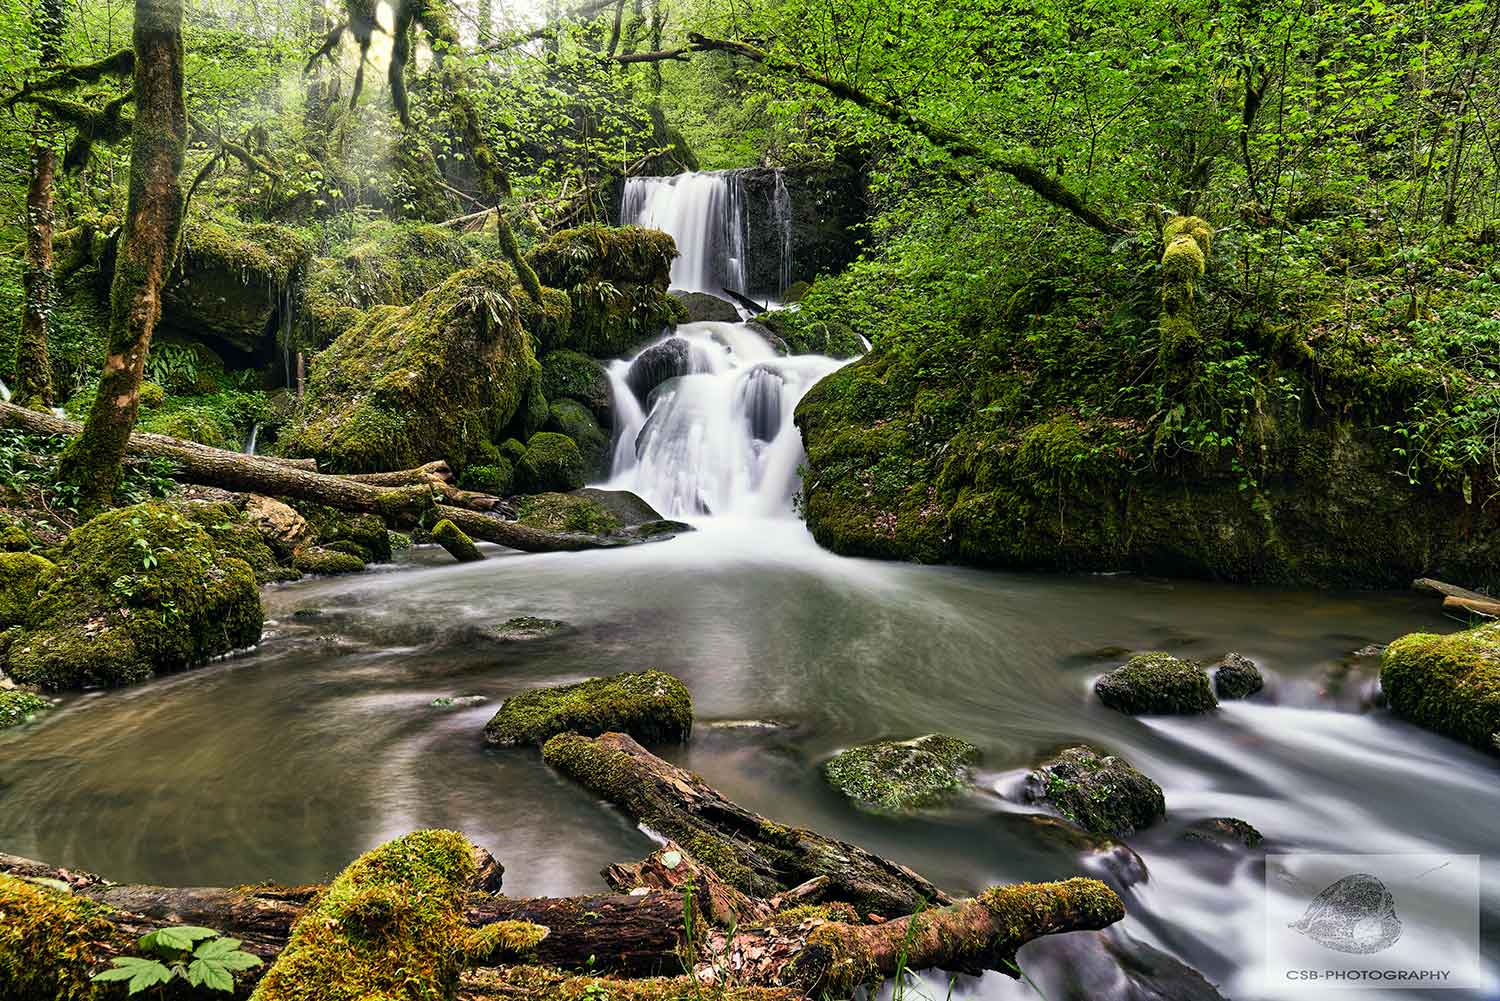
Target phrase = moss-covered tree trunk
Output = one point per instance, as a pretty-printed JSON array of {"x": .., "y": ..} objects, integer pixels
[
  {"x": 33, "y": 366},
  {"x": 152, "y": 224}
]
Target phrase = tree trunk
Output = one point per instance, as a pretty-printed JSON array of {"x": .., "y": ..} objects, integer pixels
[
  {"x": 153, "y": 222},
  {"x": 33, "y": 366},
  {"x": 755, "y": 855}
]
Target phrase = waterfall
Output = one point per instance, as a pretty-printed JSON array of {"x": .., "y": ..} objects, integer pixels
[
  {"x": 781, "y": 213},
  {"x": 250, "y": 441},
  {"x": 705, "y": 214},
  {"x": 4, "y": 392}
]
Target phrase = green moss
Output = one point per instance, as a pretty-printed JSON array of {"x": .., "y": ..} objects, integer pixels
[
  {"x": 497, "y": 478},
  {"x": 21, "y": 576},
  {"x": 137, "y": 591},
  {"x": 1104, "y": 795},
  {"x": 616, "y": 281},
  {"x": 459, "y": 545},
  {"x": 551, "y": 462},
  {"x": 391, "y": 925},
  {"x": 221, "y": 419},
  {"x": 14, "y": 537},
  {"x": 436, "y": 379},
  {"x": 50, "y": 943},
  {"x": 573, "y": 376},
  {"x": 233, "y": 535},
  {"x": 573, "y": 419},
  {"x": 504, "y": 942},
  {"x": 537, "y": 983},
  {"x": 651, "y": 706},
  {"x": 525, "y": 627},
  {"x": 18, "y": 706},
  {"x": 803, "y": 335},
  {"x": 531, "y": 415},
  {"x": 832, "y": 963},
  {"x": 327, "y": 562},
  {"x": 1156, "y": 683},
  {"x": 231, "y": 279},
  {"x": 1448, "y": 684},
  {"x": 555, "y": 512},
  {"x": 902, "y": 775}
]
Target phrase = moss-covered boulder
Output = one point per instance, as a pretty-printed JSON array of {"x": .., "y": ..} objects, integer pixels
[
  {"x": 628, "y": 508},
  {"x": 453, "y": 539},
  {"x": 1449, "y": 684},
  {"x": 531, "y": 416},
  {"x": 137, "y": 591},
  {"x": 616, "y": 280},
  {"x": 1223, "y": 832},
  {"x": 573, "y": 419},
  {"x": 14, "y": 538},
  {"x": 802, "y": 335},
  {"x": 20, "y": 578},
  {"x": 497, "y": 477},
  {"x": 235, "y": 534},
  {"x": 230, "y": 283},
  {"x": 551, "y": 462},
  {"x": 438, "y": 379},
  {"x": 555, "y": 512},
  {"x": 51, "y": 942},
  {"x": 1156, "y": 684},
  {"x": 1104, "y": 795},
  {"x": 651, "y": 706},
  {"x": 1237, "y": 677},
  {"x": 389, "y": 926},
  {"x": 326, "y": 562},
  {"x": 706, "y": 307},
  {"x": 574, "y": 376},
  {"x": 902, "y": 774},
  {"x": 19, "y": 706}
]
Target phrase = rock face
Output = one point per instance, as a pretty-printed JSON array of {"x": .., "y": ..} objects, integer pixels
[
  {"x": 1156, "y": 684},
  {"x": 656, "y": 365},
  {"x": 651, "y": 706},
  {"x": 574, "y": 376},
  {"x": 1104, "y": 795},
  {"x": 1448, "y": 684},
  {"x": 828, "y": 208},
  {"x": 704, "y": 306},
  {"x": 616, "y": 281},
  {"x": 137, "y": 591},
  {"x": 905, "y": 774},
  {"x": 1237, "y": 677},
  {"x": 439, "y": 379}
]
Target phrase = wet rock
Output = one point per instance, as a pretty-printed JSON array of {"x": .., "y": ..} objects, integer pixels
[
  {"x": 655, "y": 365},
  {"x": 1156, "y": 684},
  {"x": 628, "y": 508},
  {"x": 1449, "y": 684},
  {"x": 558, "y": 512},
  {"x": 453, "y": 539},
  {"x": 525, "y": 627},
  {"x": 651, "y": 706},
  {"x": 327, "y": 562},
  {"x": 905, "y": 774},
  {"x": 457, "y": 701},
  {"x": 568, "y": 375},
  {"x": 1104, "y": 795},
  {"x": 1225, "y": 832},
  {"x": 1236, "y": 677},
  {"x": 18, "y": 706},
  {"x": 704, "y": 306},
  {"x": 279, "y": 524},
  {"x": 552, "y": 463}
]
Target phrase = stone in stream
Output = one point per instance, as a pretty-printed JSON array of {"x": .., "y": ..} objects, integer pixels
[
  {"x": 525, "y": 627},
  {"x": 1156, "y": 684},
  {"x": 457, "y": 701},
  {"x": 1237, "y": 677},
  {"x": 1223, "y": 832},
  {"x": 902, "y": 774},
  {"x": 651, "y": 706},
  {"x": 657, "y": 364},
  {"x": 1104, "y": 795},
  {"x": 1449, "y": 684},
  {"x": 329, "y": 562},
  {"x": 453, "y": 539},
  {"x": 705, "y": 306}
]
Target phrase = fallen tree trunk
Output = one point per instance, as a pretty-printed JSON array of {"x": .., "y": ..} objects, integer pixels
[
  {"x": 1478, "y": 606},
  {"x": 755, "y": 855},
  {"x": 1437, "y": 587}
]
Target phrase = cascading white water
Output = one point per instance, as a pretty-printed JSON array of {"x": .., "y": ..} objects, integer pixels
[{"x": 705, "y": 214}]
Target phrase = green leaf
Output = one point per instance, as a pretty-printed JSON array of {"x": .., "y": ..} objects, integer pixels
[
  {"x": 216, "y": 948},
  {"x": 239, "y": 961},
  {"x": 142, "y": 973}
]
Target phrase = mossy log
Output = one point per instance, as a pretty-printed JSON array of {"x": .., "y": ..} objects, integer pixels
[{"x": 754, "y": 854}]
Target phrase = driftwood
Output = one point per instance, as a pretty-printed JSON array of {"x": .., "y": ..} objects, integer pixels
[
  {"x": 1430, "y": 586},
  {"x": 755, "y": 855},
  {"x": 217, "y": 467},
  {"x": 1476, "y": 606},
  {"x": 748, "y": 303}
]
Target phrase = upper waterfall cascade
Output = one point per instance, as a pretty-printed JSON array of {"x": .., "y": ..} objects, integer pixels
[{"x": 703, "y": 417}]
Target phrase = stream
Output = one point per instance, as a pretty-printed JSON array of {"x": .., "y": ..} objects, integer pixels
[{"x": 287, "y": 761}]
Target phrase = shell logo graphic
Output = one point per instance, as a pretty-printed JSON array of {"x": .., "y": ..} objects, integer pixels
[{"x": 1356, "y": 915}]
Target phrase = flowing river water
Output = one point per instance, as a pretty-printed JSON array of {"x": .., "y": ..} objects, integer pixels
[{"x": 284, "y": 763}]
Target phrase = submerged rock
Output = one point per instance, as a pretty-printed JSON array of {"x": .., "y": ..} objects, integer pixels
[
  {"x": 651, "y": 706},
  {"x": 453, "y": 539},
  {"x": 1156, "y": 684},
  {"x": 904, "y": 774},
  {"x": 18, "y": 706},
  {"x": 1236, "y": 677},
  {"x": 137, "y": 591},
  {"x": 525, "y": 627},
  {"x": 1104, "y": 795},
  {"x": 1448, "y": 684},
  {"x": 656, "y": 365},
  {"x": 1225, "y": 832}
]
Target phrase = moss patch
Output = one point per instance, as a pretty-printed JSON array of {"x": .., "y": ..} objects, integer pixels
[
  {"x": 651, "y": 706},
  {"x": 50, "y": 943},
  {"x": 1156, "y": 684},
  {"x": 555, "y": 512},
  {"x": 20, "y": 578},
  {"x": 327, "y": 562},
  {"x": 616, "y": 281},
  {"x": 1448, "y": 684},
  {"x": 17, "y": 706},
  {"x": 571, "y": 418},
  {"x": 574, "y": 376},
  {"x": 1104, "y": 795},
  {"x": 551, "y": 462},
  {"x": 902, "y": 775}
]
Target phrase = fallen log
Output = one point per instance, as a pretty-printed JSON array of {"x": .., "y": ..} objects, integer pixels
[
  {"x": 755, "y": 855},
  {"x": 432, "y": 472},
  {"x": 1478, "y": 606},
  {"x": 1430, "y": 586}
]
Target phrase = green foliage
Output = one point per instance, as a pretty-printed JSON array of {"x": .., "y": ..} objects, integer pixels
[
  {"x": 17, "y": 707},
  {"x": 199, "y": 956}
]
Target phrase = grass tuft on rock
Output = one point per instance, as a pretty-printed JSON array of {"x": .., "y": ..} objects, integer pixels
[{"x": 904, "y": 774}]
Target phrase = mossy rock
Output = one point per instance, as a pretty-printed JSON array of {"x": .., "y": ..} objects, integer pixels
[
  {"x": 902, "y": 774},
  {"x": 806, "y": 336},
  {"x": 629, "y": 509},
  {"x": 236, "y": 535},
  {"x": 573, "y": 419},
  {"x": 555, "y": 512},
  {"x": 1156, "y": 684},
  {"x": 453, "y": 539},
  {"x": 531, "y": 415},
  {"x": 327, "y": 562},
  {"x": 136, "y": 591},
  {"x": 616, "y": 281},
  {"x": 574, "y": 376},
  {"x": 328, "y": 525},
  {"x": 14, "y": 538},
  {"x": 1237, "y": 677},
  {"x": 189, "y": 424},
  {"x": 1448, "y": 684},
  {"x": 20, "y": 578},
  {"x": 437, "y": 379},
  {"x": 497, "y": 477},
  {"x": 525, "y": 627},
  {"x": 50, "y": 943},
  {"x": 389, "y": 926},
  {"x": 552, "y": 462},
  {"x": 706, "y": 307},
  {"x": 1104, "y": 795},
  {"x": 1224, "y": 832},
  {"x": 651, "y": 706},
  {"x": 18, "y": 706}
]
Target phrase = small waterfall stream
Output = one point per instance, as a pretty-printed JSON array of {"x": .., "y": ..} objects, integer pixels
[{"x": 703, "y": 417}]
